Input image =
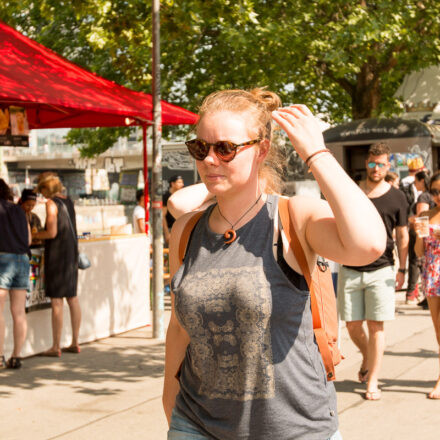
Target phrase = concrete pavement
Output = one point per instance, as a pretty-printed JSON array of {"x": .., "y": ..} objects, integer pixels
[{"x": 112, "y": 390}]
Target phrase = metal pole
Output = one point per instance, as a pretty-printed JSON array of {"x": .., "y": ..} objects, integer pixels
[
  {"x": 145, "y": 161},
  {"x": 156, "y": 190}
]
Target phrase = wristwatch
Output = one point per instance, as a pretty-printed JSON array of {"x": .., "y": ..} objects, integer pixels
[{"x": 402, "y": 270}]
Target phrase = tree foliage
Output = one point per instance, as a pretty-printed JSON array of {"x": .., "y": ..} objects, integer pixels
[
  {"x": 93, "y": 141},
  {"x": 344, "y": 58}
]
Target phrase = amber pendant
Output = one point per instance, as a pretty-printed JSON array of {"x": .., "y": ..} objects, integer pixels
[{"x": 230, "y": 236}]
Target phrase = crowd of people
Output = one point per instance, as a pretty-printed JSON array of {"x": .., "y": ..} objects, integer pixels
[
  {"x": 19, "y": 228},
  {"x": 241, "y": 357},
  {"x": 241, "y": 361}
]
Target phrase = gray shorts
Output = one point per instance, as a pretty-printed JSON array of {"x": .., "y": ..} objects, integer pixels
[{"x": 366, "y": 295}]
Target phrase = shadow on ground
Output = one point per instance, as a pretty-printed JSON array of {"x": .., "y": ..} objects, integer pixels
[
  {"x": 387, "y": 385},
  {"x": 90, "y": 371},
  {"x": 418, "y": 354}
]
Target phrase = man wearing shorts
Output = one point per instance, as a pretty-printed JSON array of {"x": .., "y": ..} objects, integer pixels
[{"x": 367, "y": 293}]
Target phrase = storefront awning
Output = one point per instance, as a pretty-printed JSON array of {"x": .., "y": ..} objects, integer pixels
[
  {"x": 59, "y": 94},
  {"x": 376, "y": 129}
]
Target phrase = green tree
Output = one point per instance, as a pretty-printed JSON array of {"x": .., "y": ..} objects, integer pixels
[{"x": 344, "y": 58}]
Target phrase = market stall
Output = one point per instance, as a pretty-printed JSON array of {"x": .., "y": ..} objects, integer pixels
[
  {"x": 50, "y": 92},
  {"x": 113, "y": 293}
]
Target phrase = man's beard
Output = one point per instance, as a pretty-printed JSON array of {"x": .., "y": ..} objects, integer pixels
[{"x": 373, "y": 179}]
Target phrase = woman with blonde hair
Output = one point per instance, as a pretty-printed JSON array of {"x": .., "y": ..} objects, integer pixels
[
  {"x": 240, "y": 338},
  {"x": 60, "y": 260}
]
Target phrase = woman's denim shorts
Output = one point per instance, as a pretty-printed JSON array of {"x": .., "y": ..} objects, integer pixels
[
  {"x": 14, "y": 271},
  {"x": 181, "y": 428}
]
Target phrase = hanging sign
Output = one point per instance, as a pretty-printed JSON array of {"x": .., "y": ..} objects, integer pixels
[{"x": 14, "y": 127}]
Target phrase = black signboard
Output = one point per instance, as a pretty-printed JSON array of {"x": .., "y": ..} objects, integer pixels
[{"x": 375, "y": 129}]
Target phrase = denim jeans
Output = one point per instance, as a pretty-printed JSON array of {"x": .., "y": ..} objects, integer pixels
[
  {"x": 14, "y": 271},
  {"x": 181, "y": 428}
]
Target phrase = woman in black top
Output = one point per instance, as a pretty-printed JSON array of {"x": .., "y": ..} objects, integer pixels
[
  {"x": 60, "y": 260},
  {"x": 425, "y": 200},
  {"x": 14, "y": 271}
]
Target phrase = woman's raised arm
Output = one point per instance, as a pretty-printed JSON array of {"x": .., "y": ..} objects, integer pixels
[
  {"x": 190, "y": 198},
  {"x": 348, "y": 229}
]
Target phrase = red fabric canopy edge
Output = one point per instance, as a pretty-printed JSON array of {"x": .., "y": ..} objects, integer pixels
[{"x": 60, "y": 94}]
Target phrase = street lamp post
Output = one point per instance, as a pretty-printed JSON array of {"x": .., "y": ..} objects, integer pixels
[{"x": 156, "y": 190}]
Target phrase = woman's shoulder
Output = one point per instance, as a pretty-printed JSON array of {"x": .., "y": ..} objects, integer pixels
[
  {"x": 425, "y": 197},
  {"x": 180, "y": 233},
  {"x": 183, "y": 221}
]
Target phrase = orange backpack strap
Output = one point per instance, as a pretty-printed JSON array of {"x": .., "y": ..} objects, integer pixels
[
  {"x": 295, "y": 245},
  {"x": 183, "y": 243},
  {"x": 186, "y": 233}
]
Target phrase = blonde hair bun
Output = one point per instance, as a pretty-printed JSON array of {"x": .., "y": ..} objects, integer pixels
[{"x": 269, "y": 99}]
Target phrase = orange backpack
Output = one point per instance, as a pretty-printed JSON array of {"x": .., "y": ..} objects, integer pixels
[{"x": 322, "y": 293}]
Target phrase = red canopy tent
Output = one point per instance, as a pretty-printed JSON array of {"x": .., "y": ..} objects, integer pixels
[{"x": 59, "y": 94}]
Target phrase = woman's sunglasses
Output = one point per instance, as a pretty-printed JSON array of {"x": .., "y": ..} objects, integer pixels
[
  {"x": 224, "y": 150},
  {"x": 435, "y": 192}
]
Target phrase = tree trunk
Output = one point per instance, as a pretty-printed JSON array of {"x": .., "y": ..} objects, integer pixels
[{"x": 366, "y": 97}]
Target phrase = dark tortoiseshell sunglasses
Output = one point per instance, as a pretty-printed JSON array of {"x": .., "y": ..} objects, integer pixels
[{"x": 224, "y": 150}]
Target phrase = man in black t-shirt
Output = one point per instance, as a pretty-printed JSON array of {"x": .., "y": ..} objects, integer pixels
[
  {"x": 367, "y": 293},
  {"x": 176, "y": 183}
]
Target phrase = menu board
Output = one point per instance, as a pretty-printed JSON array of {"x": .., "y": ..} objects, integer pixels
[
  {"x": 127, "y": 186},
  {"x": 14, "y": 127}
]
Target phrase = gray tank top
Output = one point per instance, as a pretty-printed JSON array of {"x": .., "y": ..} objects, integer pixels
[{"x": 252, "y": 369}]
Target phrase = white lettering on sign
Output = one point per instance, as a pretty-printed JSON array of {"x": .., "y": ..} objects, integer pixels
[
  {"x": 82, "y": 163},
  {"x": 113, "y": 164}
]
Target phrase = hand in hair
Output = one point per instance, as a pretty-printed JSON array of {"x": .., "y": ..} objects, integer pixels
[{"x": 302, "y": 128}]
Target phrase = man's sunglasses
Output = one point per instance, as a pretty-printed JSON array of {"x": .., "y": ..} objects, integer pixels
[
  {"x": 435, "y": 192},
  {"x": 224, "y": 150},
  {"x": 375, "y": 164}
]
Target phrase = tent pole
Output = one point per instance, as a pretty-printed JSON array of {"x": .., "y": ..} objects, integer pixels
[
  {"x": 146, "y": 189},
  {"x": 156, "y": 191}
]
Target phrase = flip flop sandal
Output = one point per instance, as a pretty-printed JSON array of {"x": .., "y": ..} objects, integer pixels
[
  {"x": 14, "y": 363},
  {"x": 2, "y": 362},
  {"x": 373, "y": 395},
  {"x": 71, "y": 349},
  {"x": 363, "y": 376}
]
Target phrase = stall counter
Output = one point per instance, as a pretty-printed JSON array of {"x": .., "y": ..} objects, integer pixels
[{"x": 113, "y": 294}]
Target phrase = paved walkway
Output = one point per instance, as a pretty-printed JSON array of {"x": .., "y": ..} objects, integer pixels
[{"x": 112, "y": 390}]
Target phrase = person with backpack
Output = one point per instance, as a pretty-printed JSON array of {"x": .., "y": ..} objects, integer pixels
[
  {"x": 367, "y": 292},
  {"x": 241, "y": 357}
]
